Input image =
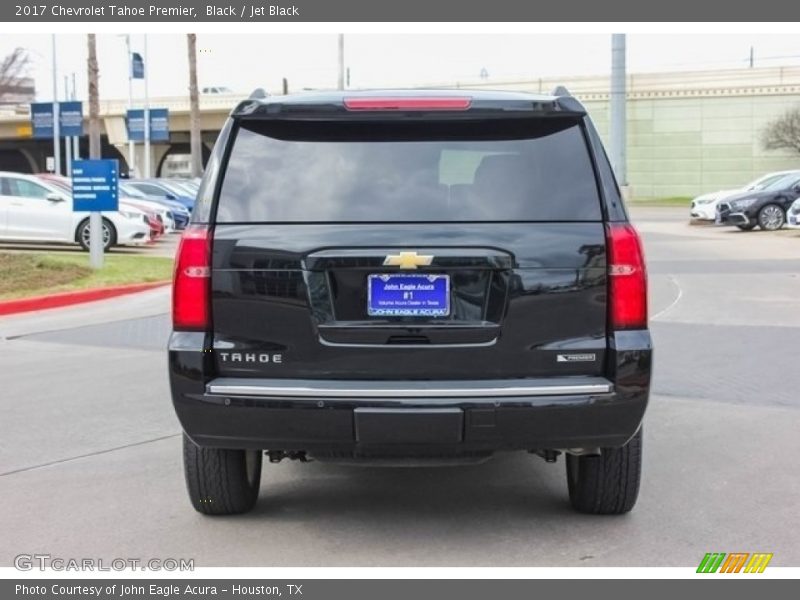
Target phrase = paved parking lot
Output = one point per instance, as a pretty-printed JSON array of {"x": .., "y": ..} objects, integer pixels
[{"x": 90, "y": 450}]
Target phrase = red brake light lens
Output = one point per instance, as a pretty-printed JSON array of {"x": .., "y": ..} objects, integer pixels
[
  {"x": 191, "y": 302},
  {"x": 627, "y": 278},
  {"x": 401, "y": 103}
]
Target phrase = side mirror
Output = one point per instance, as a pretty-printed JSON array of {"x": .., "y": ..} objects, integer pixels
[
  {"x": 170, "y": 197},
  {"x": 53, "y": 197},
  {"x": 796, "y": 188}
]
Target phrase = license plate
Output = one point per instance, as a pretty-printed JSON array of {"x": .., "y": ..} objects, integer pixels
[{"x": 402, "y": 295}]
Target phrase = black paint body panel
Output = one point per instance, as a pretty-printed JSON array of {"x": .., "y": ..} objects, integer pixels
[
  {"x": 527, "y": 292},
  {"x": 288, "y": 301}
]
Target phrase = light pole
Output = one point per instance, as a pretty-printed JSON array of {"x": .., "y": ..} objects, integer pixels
[
  {"x": 56, "y": 123},
  {"x": 67, "y": 140},
  {"x": 146, "y": 113},
  {"x": 131, "y": 143},
  {"x": 76, "y": 154},
  {"x": 340, "y": 84},
  {"x": 617, "y": 109}
]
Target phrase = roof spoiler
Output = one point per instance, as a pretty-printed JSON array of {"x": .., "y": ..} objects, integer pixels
[
  {"x": 335, "y": 105},
  {"x": 566, "y": 100},
  {"x": 561, "y": 91}
]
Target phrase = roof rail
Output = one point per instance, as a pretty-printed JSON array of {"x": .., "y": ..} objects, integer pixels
[
  {"x": 258, "y": 94},
  {"x": 561, "y": 90}
]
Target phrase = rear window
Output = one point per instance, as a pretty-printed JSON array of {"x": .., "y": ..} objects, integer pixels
[{"x": 509, "y": 170}]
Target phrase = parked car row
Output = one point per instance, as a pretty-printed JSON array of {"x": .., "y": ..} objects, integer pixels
[
  {"x": 770, "y": 203},
  {"x": 180, "y": 191},
  {"x": 38, "y": 209}
]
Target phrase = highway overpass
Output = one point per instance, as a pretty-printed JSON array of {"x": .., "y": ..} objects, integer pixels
[
  {"x": 20, "y": 152},
  {"x": 688, "y": 132}
]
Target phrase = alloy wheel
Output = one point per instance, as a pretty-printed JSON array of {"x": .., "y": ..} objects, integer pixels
[
  {"x": 770, "y": 217},
  {"x": 86, "y": 235}
]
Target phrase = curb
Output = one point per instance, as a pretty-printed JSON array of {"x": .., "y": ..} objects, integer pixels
[{"x": 10, "y": 307}]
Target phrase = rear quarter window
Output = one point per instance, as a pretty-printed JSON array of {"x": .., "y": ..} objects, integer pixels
[{"x": 506, "y": 170}]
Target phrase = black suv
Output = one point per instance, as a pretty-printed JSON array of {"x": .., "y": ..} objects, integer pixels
[{"x": 410, "y": 278}]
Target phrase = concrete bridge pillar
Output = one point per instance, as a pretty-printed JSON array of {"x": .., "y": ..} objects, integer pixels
[
  {"x": 157, "y": 152},
  {"x": 117, "y": 135}
]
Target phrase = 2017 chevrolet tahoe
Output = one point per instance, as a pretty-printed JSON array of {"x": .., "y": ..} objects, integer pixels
[{"x": 410, "y": 277}]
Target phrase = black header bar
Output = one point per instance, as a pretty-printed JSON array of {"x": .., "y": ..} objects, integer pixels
[{"x": 441, "y": 11}]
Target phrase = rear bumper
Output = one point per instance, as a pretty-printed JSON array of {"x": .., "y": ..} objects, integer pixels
[
  {"x": 408, "y": 417},
  {"x": 484, "y": 422}
]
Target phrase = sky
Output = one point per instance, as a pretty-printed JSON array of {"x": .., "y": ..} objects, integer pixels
[{"x": 244, "y": 62}]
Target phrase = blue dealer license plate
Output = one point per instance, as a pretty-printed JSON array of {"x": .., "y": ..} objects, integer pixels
[{"x": 401, "y": 295}]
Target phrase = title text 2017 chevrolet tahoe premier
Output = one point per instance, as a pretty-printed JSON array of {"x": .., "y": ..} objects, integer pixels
[{"x": 410, "y": 278}]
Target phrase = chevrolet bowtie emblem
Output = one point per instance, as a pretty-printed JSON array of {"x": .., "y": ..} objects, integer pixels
[{"x": 408, "y": 260}]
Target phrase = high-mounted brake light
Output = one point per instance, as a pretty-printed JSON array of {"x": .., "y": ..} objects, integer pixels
[
  {"x": 191, "y": 302},
  {"x": 627, "y": 278},
  {"x": 406, "y": 103}
]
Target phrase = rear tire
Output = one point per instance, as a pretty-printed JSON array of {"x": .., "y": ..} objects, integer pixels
[
  {"x": 748, "y": 227},
  {"x": 607, "y": 484},
  {"x": 109, "y": 235},
  {"x": 220, "y": 481}
]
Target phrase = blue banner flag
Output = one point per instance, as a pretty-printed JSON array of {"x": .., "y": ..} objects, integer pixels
[
  {"x": 70, "y": 119},
  {"x": 159, "y": 125},
  {"x": 137, "y": 66}
]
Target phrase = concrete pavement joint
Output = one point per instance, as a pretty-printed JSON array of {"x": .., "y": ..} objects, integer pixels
[
  {"x": 22, "y": 336},
  {"x": 674, "y": 281},
  {"x": 88, "y": 455}
]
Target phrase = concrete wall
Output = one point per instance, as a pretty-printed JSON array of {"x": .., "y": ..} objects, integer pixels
[
  {"x": 689, "y": 132},
  {"x": 685, "y": 146}
]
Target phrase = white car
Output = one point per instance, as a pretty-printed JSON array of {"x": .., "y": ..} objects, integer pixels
[
  {"x": 162, "y": 212},
  {"x": 793, "y": 215},
  {"x": 216, "y": 89},
  {"x": 33, "y": 210},
  {"x": 704, "y": 208}
]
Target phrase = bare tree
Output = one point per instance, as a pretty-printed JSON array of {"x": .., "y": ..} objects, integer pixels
[
  {"x": 94, "y": 99},
  {"x": 13, "y": 69},
  {"x": 784, "y": 132},
  {"x": 195, "y": 143}
]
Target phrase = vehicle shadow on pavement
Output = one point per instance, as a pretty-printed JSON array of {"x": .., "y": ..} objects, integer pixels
[{"x": 516, "y": 484}]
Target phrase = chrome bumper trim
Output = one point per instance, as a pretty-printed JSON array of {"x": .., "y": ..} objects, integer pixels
[{"x": 408, "y": 389}]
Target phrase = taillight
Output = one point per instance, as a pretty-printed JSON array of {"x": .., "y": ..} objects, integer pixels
[
  {"x": 191, "y": 302},
  {"x": 401, "y": 103},
  {"x": 627, "y": 278}
]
